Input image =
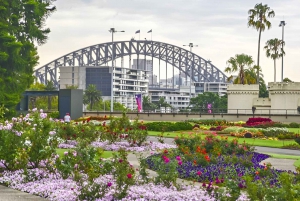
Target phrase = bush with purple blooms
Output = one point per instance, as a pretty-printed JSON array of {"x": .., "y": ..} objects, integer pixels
[{"x": 210, "y": 162}]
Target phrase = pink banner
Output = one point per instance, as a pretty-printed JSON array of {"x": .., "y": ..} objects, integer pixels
[{"x": 138, "y": 99}]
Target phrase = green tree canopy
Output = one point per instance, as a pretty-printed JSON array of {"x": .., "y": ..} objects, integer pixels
[
  {"x": 274, "y": 50},
  {"x": 240, "y": 63},
  {"x": 147, "y": 105},
  {"x": 21, "y": 27},
  {"x": 162, "y": 103},
  {"x": 91, "y": 95},
  {"x": 200, "y": 102},
  {"x": 287, "y": 80},
  {"x": 258, "y": 19}
]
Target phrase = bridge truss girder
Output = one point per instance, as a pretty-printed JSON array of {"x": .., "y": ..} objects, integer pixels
[{"x": 192, "y": 65}]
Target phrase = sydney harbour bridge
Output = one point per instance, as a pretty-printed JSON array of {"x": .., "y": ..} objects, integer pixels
[{"x": 185, "y": 61}]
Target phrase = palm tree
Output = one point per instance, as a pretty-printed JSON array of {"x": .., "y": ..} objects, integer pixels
[
  {"x": 274, "y": 49},
  {"x": 258, "y": 19},
  {"x": 147, "y": 104},
  {"x": 240, "y": 63},
  {"x": 49, "y": 87},
  {"x": 91, "y": 95}
]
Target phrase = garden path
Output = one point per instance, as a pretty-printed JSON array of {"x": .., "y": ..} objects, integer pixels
[{"x": 9, "y": 194}]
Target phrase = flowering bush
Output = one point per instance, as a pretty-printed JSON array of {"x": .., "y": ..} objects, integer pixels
[
  {"x": 30, "y": 139},
  {"x": 257, "y": 121}
]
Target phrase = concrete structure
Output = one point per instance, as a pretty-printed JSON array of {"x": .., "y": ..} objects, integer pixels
[
  {"x": 284, "y": 98},
  {"x": 215, "y": 87},
  {"x": 127, "y": 82},
  {"x": 70, "y": 101},
  {"x": 73, "y": 76},
  {"x": 177, "y": 98},
  {"x": 240, "y": 97}
]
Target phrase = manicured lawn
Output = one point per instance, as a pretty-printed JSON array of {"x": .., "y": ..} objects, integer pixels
[
  {"x": 295, "y": 130},
  {"x": 251, "y": 141},
  {"x": 106, "y": 154}
]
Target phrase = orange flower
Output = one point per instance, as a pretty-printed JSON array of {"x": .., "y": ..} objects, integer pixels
[
  {"x": 256, "y": 172},
  {"x": 265, "y": 168},
  {"x": 195, "y": 162},
  {"x": 207, "y": 158}
]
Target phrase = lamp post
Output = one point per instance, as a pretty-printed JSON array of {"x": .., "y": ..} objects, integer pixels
[
  {"x": 112, "y": 30},
  {"x": 282, "y": 24},
  {"x": 191, "y": 45}
]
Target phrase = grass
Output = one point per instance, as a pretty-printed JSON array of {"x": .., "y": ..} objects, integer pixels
[
  {"x": 251, "y": 141},
  {"x": 106, "y": 154},
  {"x": 294, "y": 130},
  {"x": 297, "y": 158}
]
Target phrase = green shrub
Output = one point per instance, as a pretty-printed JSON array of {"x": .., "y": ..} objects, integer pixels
[
  {"x": 212, "y": 122},
  {"x": 54, "y": 115},
  {"x": 168, "y": 126},
  {"x": 294, "y": 125},
  {"x": 274, "y": 132},
  {"x": 297, "y": 139}
]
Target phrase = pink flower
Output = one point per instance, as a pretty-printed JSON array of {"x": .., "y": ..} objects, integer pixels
[
  {"x": 75, "y": 166},
  {"x": 199, "y": 173},
  {"x": 129, "y": 176},
  {"x": 166, "y": 159},
  {"x": 109, "y": 184},
  {"x": 179, "y": 162},
  {"x": 65, "y": 153},
  {"x": 178, "y": 158}
]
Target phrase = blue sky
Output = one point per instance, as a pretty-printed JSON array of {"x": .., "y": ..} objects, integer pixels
[{"x": 218, "y": 27}]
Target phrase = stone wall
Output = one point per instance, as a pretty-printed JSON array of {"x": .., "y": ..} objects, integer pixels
[{"x": 240, "y": 98}]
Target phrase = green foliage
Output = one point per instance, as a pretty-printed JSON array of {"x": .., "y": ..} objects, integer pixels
[
  {"x": 286, "y": 190},
  {"x": 294, "y": 125},
  {"x": 240, "y": 63},
  {"x": 83, "y": 159},
  {"x": 199, "y": 103},
  {"x": 259, "y": 20},
  {"x": 166, "y": 169},
  {"x": 91, "y": 96},
  {"x": 3, "y": 110},
  {"x": 54, "y": 115},
  {"x": 147, "y": 105},
  {"x": 137, "y": 133},
  {"x": 297, "y": 139},
  {"x": 41, "y": 145},
  {"x": 21, "y": 28},
  {"x": 84, "y": 130},
  {"x": 124, "y": 173},
  {"x": 211, "y": 122},
  {"x": 168, "y": 126}
]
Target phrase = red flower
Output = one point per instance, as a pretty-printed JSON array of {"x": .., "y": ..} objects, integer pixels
[
  {"x": 165, "y": 151},
  {"x": 129, "y": 176}
]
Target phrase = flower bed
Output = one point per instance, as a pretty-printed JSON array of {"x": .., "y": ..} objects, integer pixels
[{"x": 53, "y": 187}]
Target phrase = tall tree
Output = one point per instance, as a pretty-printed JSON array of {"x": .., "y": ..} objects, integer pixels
[
  {"x": 274, "y": 49},
  {"x": 21, "y": 27},
  {"x": 147, "y": 105},
  {"x": 258, "y": 19},
  {"x": 239, "y": 63},
  {"x": 200, "y": 102},
  {"x": 91, "y": 95},
  {"x": 163, "y": 103}
]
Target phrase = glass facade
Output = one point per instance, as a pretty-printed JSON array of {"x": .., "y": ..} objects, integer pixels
[{"x": 101, "y": 78}]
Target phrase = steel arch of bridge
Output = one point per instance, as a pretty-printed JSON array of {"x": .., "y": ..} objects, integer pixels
[{"x": 192, "y": 65}]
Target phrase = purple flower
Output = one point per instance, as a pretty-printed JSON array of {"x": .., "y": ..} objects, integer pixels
[{"x": 109, "y": 184}]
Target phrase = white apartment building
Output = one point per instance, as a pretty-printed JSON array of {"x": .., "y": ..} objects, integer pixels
[{"x": 127, "y": 82}]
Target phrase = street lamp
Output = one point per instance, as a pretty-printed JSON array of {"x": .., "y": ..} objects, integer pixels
[
  {"x": 112, "y": 30},
  {"x": 282, "y": 24},
  {"x": 191, "y": 45}
]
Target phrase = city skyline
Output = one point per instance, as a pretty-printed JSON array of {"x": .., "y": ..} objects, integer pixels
[{"x": 218, "y": 28}]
